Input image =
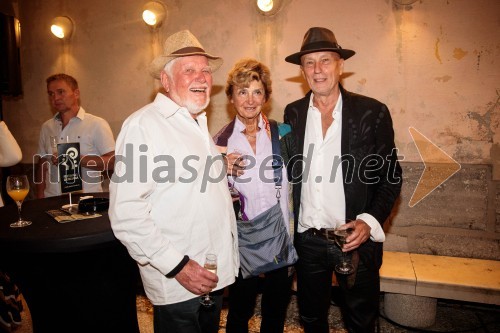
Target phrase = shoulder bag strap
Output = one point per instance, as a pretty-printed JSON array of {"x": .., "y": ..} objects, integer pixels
[{"x": 277, "y": 160}]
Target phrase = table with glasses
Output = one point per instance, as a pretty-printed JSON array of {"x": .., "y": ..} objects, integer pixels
[{"x": 74, "y": 276}]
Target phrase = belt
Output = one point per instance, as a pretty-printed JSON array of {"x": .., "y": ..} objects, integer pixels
[{"x": 325, "y": 233}]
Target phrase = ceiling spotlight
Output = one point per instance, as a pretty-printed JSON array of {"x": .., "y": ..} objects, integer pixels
[
  {"x": 62, "y": 27},
  {"x": 154, "y": 13}
]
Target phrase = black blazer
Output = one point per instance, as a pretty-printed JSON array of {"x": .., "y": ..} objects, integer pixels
[{"x": 371, "y": 173}]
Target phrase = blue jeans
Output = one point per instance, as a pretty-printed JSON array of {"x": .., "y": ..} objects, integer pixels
[
  {"x": 359, "y": 304},
  {"x": 188, "y": 316}
]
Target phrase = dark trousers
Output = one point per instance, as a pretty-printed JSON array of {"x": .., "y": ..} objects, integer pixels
[
  {"x": 275, "y": 287},
  {"x": 359, "y": 304},
  {"x": 188, "y": 316}
]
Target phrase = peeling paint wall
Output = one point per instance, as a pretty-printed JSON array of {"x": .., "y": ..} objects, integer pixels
[{"x": 434, "y": 63}]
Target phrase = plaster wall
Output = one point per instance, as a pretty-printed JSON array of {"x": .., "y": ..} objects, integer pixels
[{"x": 434, "y": 63}]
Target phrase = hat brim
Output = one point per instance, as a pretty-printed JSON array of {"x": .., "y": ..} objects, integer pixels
[
  {"x": 159, "y": 62},
  {"x": 295, "y": 58}
]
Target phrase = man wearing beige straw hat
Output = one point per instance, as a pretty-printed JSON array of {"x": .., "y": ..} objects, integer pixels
[
  {"x": 350, "y": 181},
  {"x": 170, "y": 205}
]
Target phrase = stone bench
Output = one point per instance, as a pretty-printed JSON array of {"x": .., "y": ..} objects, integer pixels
[{"x": 413, "y": 282}]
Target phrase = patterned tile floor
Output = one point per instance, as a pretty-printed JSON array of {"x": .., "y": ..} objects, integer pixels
[{"x": 451, "y": 317}]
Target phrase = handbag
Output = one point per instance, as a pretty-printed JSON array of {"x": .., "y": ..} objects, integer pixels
[{"x": 264, "y": 243}]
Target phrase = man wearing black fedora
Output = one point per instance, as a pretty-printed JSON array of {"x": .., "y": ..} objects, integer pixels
[{"x": 345, "y": 175}]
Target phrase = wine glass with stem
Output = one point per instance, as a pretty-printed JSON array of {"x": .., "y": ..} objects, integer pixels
[
  {"x": 53, "y": 147},
  {"x": 18, "y": 188},
  {"x": 234, "y": 192},
  {"x": 344, "y": 267},
  {"x": 211, "y": 265}
]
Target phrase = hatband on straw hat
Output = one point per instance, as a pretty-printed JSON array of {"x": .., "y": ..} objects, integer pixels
[
  {"x": 319, "y": 39},
  {"x": 181, "y": 44}
]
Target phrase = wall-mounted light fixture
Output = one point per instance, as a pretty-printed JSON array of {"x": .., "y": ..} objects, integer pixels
[
  {"x": 62, "y": 27},
  {"x": 154, "y": 13},
  {"x": 268, "y": 7},
  {"x": 405, "y": 2}
]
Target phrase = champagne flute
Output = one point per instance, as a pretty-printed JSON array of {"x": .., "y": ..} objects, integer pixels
[
  {"x": 211, "y": 265},
  {"x": 18, "y": 188},
  {"x": 53, "y": 146},
  {"x": 240, "y": 161},
  {"x": 339, "y": 235},
  {"x": 234, "y": 192}
]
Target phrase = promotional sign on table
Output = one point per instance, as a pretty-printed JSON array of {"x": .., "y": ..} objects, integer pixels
[{"x": 69, "y": 167}]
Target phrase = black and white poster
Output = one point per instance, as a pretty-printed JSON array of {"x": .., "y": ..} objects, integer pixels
[{"x": 69, "y": 166}]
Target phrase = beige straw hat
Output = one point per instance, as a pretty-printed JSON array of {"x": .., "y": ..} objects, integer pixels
[{"x": 181, "y": 44}]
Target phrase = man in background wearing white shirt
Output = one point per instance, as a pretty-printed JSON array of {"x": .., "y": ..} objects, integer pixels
[{"x": 72, "y": 123}]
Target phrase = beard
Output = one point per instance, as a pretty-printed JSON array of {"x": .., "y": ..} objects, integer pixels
[
  {"x": 192, "y": 106},
  {"x": 195, "y": 108}
]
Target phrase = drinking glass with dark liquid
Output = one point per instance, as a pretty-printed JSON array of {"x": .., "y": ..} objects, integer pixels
[{"x": 345, "y": 267}]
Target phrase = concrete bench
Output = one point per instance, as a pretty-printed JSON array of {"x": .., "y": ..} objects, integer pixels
[{"x": 413, "y": 282}]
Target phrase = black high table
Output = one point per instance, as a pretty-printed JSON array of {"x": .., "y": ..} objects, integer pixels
[{"x": 74, "y": 276}]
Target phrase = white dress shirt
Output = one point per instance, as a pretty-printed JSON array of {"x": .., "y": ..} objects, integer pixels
[
  {"x": 168, "y": 200},
  {"x": 10, "y": 153},
  {"x": 95, "y": 138},
  {"x": 322, "y": 201}
]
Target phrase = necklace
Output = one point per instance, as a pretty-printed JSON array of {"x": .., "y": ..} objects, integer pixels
[{"x": 249, "y": 135}]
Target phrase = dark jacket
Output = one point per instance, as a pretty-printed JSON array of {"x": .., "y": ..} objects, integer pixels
[{"x": 371, "y": 173}]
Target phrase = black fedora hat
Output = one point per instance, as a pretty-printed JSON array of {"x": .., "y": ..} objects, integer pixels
[{"x": 319, "y": 39}]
